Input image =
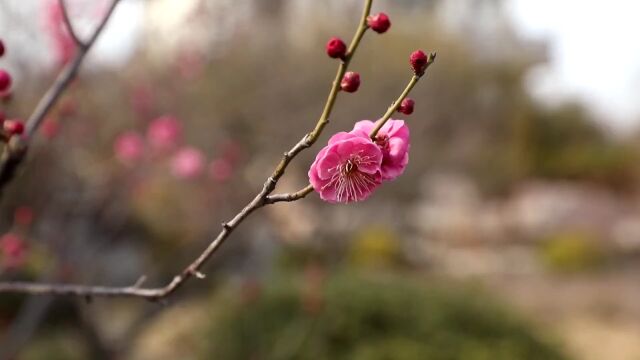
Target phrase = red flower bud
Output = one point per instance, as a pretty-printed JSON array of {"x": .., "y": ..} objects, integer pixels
[
  {"x": 5, "y": 80},
  {"x": 406, "y": 106},
  {"x": 336, "y": 48},
  {"x": 350, "y": 82},
  {"x": 1, "y": 47},
  {"x": 13, "y": 127},
  {"x": 379, "y": 22},
  {"x": 418, "y": 61}
]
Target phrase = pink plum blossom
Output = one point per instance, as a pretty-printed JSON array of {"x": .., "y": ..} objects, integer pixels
[
  {"x": 187, "y": 163},
  {"x": 347, "y": 169},
  {"x": 128, "y": 147},
  {"x": 164, "y": 133},
  {"x": 393, "y": 140}
]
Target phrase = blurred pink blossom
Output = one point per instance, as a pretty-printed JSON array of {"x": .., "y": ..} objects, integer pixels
[
  {"x": 128, "y": 147},
  {"x": 164, "y": 133},
  {"x": 220, "y": 169},
  {"x": 393, "y": 140},
  {"x": 187, "y": 163},
  {"x": 50, "y": 128},
  {"x": 347, "y": 169},
  {"x": 55, "y": 27},
  {"x": 13, "y": 250}
]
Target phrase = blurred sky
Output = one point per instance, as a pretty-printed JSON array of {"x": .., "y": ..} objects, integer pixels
[{"x": 594, "y": 53}]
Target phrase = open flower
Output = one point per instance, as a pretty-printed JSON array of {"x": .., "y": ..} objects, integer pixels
[
  {"x": 347, "y": 169},
  {"x": 393, "y": 140}
]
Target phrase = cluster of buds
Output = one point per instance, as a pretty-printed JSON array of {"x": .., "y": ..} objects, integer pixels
[
  {"x": 337, "y": 49},
  {"x": 8, "y": 128}
]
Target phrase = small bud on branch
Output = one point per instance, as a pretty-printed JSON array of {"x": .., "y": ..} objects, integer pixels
[
  {"x": 13, "y": 127},
  {"x": 379, "y": 23},
  {"x": 5, "y": 80},
  {"x": 350, "y": 82},
  {"x": 336, "y": 48},
  {"x": 406, "y": 106}
]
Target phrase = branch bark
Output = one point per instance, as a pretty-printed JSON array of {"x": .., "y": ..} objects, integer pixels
[
  {"x": 260, "y": 200},
  {"x": 16, "y": 150}
]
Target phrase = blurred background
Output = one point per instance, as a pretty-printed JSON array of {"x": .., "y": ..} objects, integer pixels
[{"x": 513, "y": 234}]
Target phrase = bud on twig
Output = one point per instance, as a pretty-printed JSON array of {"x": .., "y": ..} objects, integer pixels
[
  {"x": 350, "y": 82},
  {"x": 406, "y": 106},
  {"x": 1, "y": 48},
  {"x": 418, "y": 61},
  {"x": 336, "y": 48},
  {"x": 13, "y": 127},
  {"x": 379, "y": 22},
  {"x": 5, "y": 80}
]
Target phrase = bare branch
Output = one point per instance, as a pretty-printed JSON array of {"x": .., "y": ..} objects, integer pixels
[
  {"x": 16, "y": 150},
  {"x": 294, "y": 196},
  {"x": 260, "y": 200},
  {"x": 69, "y": 25}
]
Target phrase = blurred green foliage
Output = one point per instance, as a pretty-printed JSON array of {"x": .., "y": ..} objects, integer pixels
[
  {"x": 570, "y": 252},
  {"x": 360, "y": 318}
]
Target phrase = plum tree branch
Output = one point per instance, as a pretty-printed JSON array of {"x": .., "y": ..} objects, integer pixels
[
  {"x": 260, "y": 200},
  {"x": 67, "y": 21},
  {"x": 16, "y": 149},
  {"x": 294, "y": 196}
]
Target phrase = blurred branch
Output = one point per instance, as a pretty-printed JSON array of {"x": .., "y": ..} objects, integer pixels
[
  {"x": 67, "y": 21},
  {"x": 294, "y": 196},
  {"x": 16, "y": 149},
  {"x": 260, "y": 200}
]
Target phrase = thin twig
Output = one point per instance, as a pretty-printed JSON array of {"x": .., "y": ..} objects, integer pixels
[
  {"x": 260, "y": 200},
  {"x": 297, "y": 195},
  {"x": 16, "y": 150},
  {"x": 67, "y": 21}
]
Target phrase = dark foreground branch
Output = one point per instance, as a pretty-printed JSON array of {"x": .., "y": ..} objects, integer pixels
[{"x": 16, "y": 150}]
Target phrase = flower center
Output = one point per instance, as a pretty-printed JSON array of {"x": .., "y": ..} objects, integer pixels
[{"x": 349, "y": 167}]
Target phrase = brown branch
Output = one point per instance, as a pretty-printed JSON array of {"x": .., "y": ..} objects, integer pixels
[
  {"x": 16, "y": 150},
  {"x": 294, "y": 196},
  {"x": 260, "y": 200},
  {"x": 67, "y": 21}
]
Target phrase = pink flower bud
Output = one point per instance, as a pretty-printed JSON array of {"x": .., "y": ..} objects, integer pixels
[
  {"x": 350, "y": 82},
  {"x": 379, "y": 22},
  {"x": 1, "y": 47},
  {"x": 336, "y": 48},
  {"x": 128, "y": 147},
  {"x": 187, "y": 163},
  {"x": 13, "y": 127},
  {"x": 5, "y": 81},
  {"x": 418, "y": 61},
  {"x": 406, "y": 106}
]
